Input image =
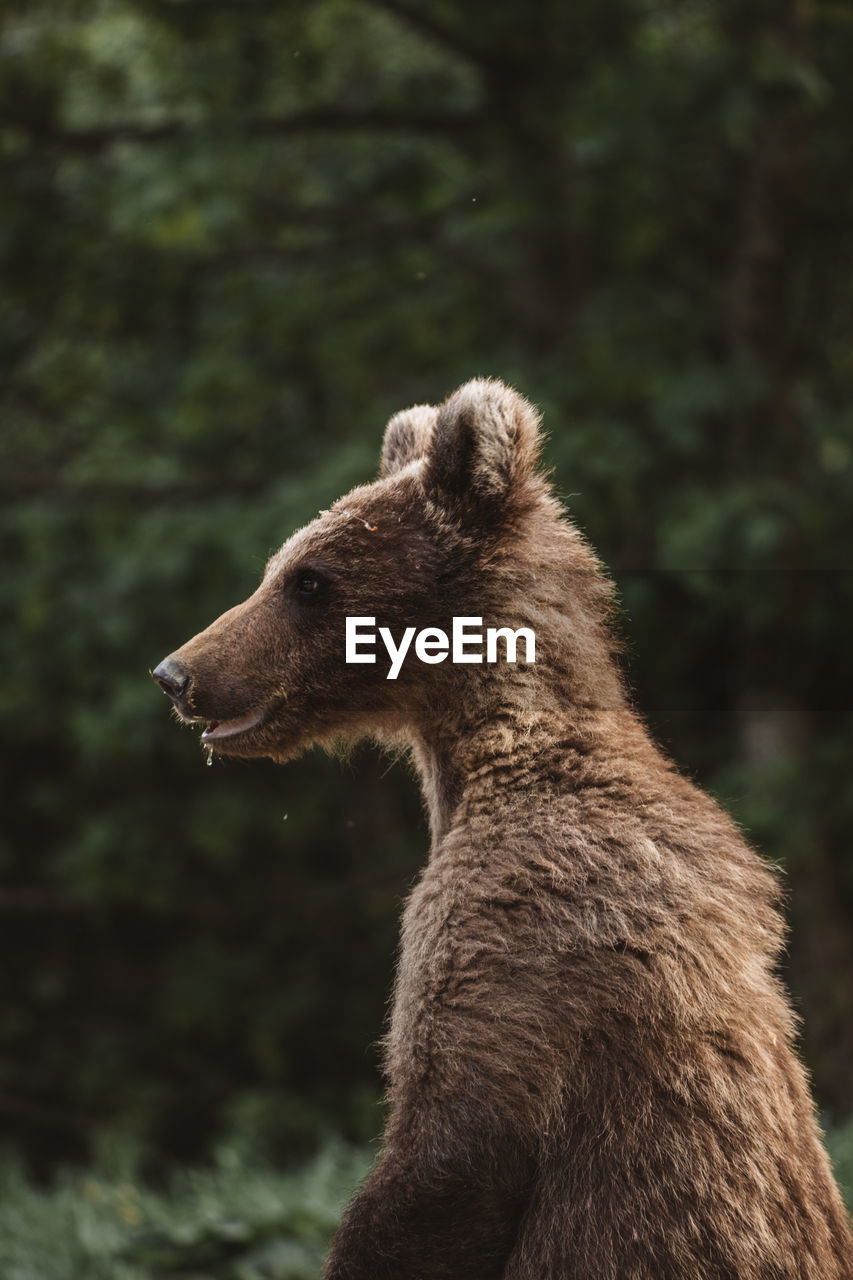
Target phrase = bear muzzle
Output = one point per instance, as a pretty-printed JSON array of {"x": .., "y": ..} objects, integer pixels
[{"x": 177, "y": 683}]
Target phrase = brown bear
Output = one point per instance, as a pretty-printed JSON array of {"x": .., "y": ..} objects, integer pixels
[{"x": 590, "y": 1058}]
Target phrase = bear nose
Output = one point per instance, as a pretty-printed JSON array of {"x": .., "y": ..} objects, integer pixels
[{"x": 172, "y": 678}]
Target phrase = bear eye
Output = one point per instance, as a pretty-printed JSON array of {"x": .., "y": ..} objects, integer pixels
[{"x": 307, "y": 583}]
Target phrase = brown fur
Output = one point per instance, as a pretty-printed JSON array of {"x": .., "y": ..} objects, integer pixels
[{"x": 590, "y": 1058}]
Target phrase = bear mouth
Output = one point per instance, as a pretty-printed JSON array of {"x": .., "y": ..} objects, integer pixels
[{"x": 216, "y": 730}]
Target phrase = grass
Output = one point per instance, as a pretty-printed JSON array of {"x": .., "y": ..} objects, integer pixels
[{"x": 229, "y": 1222}]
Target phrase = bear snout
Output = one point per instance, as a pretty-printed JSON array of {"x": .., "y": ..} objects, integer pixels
[{"x": 172, "y": 679}]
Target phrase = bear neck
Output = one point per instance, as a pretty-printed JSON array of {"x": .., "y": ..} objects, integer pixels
[
  {"x": 518, "y": 744},
  {"x": 516, "y": 726}
]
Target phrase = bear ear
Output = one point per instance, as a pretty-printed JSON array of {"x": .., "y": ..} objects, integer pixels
[
  {"x": 407, "y": 438},
  {"x": 484, "y": 446}
]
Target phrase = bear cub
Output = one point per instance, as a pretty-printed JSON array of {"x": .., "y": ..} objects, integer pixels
[{"x": 590, "y": 1058}]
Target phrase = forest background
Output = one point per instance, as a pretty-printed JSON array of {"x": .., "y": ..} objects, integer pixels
[{"x": 237, "y": 236}]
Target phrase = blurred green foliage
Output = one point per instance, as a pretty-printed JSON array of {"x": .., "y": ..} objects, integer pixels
[
  {"x": 229, "y": 1221},
  {"x": 235, "y": 238}
]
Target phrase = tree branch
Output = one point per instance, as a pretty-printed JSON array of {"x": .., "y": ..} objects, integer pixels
[
  {"x": 321, "y": 120},
  {"x": 427, "y": 24},
  {"x": 132, "y": 493}
]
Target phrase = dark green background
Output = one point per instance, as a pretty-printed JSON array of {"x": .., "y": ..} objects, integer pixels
[{"x": 235, "y": 238}]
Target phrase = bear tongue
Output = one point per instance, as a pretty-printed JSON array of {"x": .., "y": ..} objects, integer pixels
[{"x": 226, "y": 728}]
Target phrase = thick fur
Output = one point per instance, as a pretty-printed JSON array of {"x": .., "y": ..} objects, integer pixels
[{"x": 590, "y": 1058}]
